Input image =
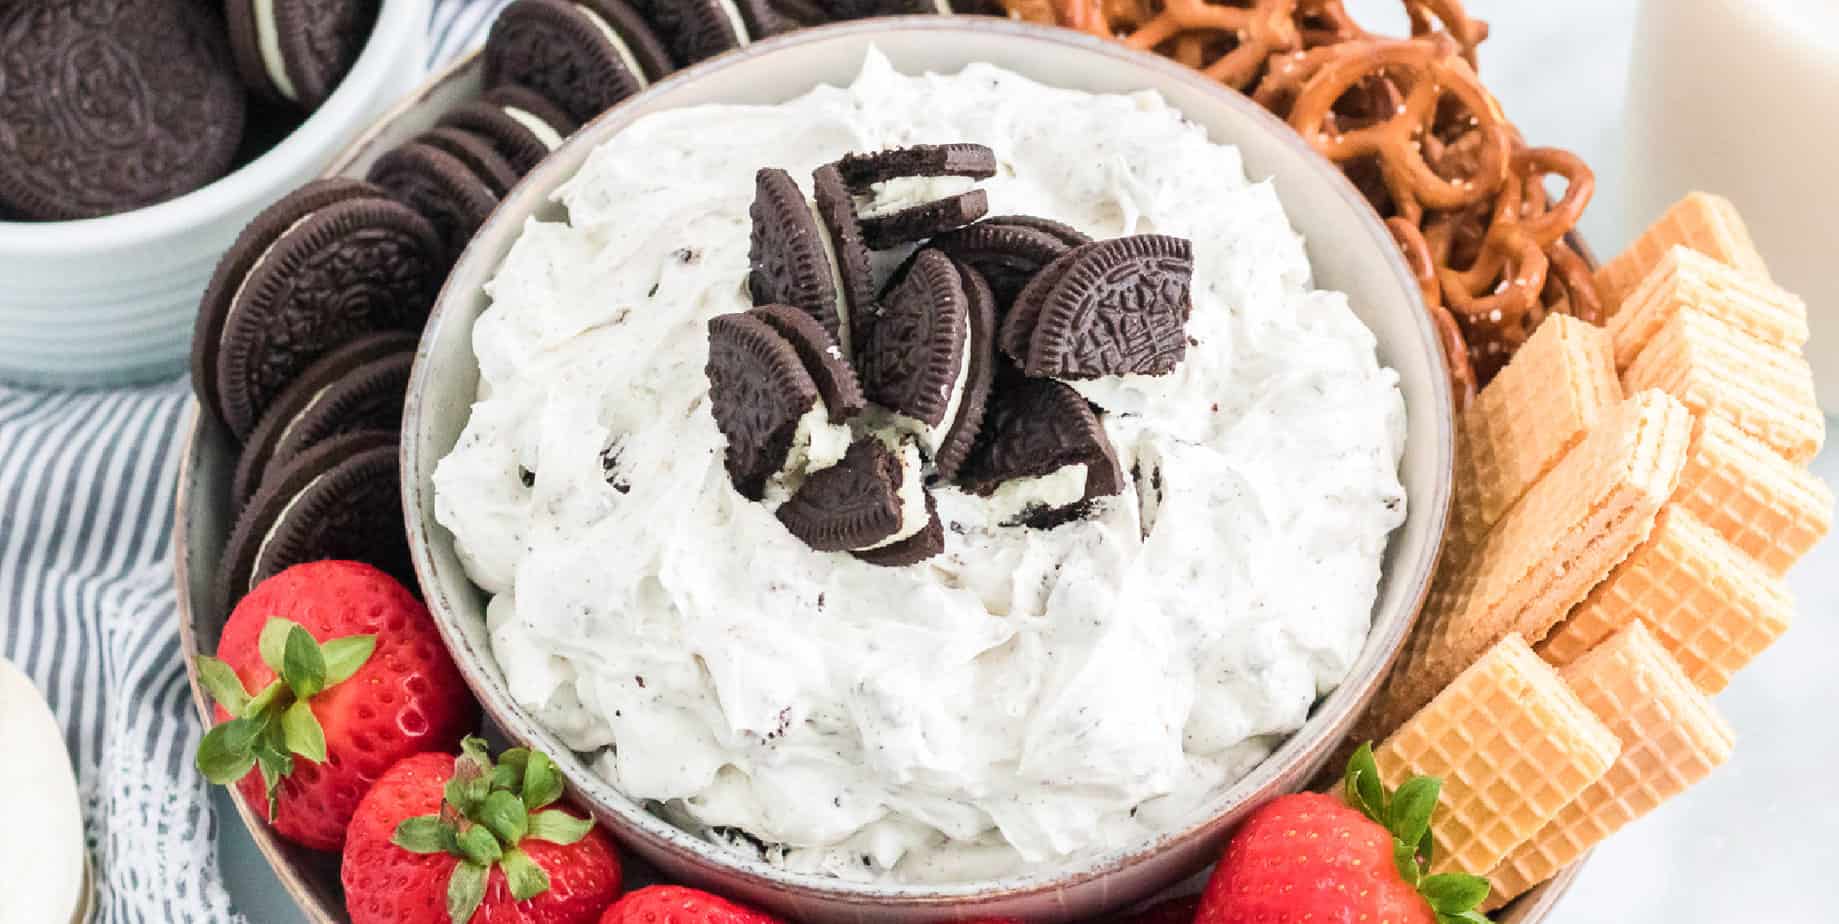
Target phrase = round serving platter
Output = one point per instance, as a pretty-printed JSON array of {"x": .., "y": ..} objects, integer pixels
[{"x": 203, "y": 520}]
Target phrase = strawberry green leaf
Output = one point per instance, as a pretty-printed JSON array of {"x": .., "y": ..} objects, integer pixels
[
  {"x": 1427, "y": 847},
  {"x": 478, "y": 845},
  {"x": 301, "y": 732},
  {"x": 1407, "y": 863},
  {"x": 302, "y": 664},
  {"x": 558, "y": 827},
  {"x": 221, "y": 682},
  {"x": 424, "y": 834},
  {"x": 272, "y": 643},
  {"x": 1365, "y": 791},
  {"x": 542, "y": 782},
  {"x": 344, "y": 656},
  {"x": 225, "y": 756},
  {"x": 509, "y": 773},
  {"x": 526, "y": 879},
  {"x": 1412, "y": 806},
  {"x": 261, "y": 701},
  {"x": 465, "y": 890},
  {"x": 504, "y": 814},
  {"x": 1453, "y": 893},
  {"x": 271, "y": 784}
]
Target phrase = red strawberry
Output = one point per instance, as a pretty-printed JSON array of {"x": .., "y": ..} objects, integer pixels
[
  {"x": 1310, "y": 857},
  {"x": 326, "y": 674},
  {"x": 445, "y": 840},
  {"x": 680, "y": 905}
]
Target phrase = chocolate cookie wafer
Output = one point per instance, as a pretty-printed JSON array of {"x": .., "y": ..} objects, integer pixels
[
  {"x": 927, "y": 542},
  {"x": 694, "y": 30},
  {"x": 1114, "y": 307},
  {"x": 585, "y": 57},
  {"x": 823, "y": 359},
  {"x": 863, "y": 170},
  {"x": 795, "y": 259},
  {"x": 912, "y": 358},
  {"x": 1043, "y": 443},
  {"x": 477, "y": 154},
  {"x": 520, "y": 124},
  {"x": 297, "y": 51},
  {"x": 954, "y": 439},
  {"x": 758, "y": 392},
  {"x": 854, "y": 504},
  {"x": 441, "y": 187},
  {"x": 1009, "y": 250}
]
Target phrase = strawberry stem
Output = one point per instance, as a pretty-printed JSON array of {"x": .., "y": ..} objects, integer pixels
[{"x": 1406, "y": 813}]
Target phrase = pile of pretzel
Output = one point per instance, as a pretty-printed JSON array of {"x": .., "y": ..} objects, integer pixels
[{"x": 1410, "y": 123}]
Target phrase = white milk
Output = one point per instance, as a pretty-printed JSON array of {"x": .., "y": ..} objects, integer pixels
[{"x": 1741, "y": 98}]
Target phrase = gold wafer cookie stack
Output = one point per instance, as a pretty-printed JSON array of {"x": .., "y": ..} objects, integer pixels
[
  {"x": 1671, "y": 735},
  {"x": 1549, "y": 395},
  {"x": 1769, "y": 508},
  {"x": 1717, "y": 370},
  {"x": 1513, "y": 746},
  {"x": 1712, "y": 606},
  {"x": 1706, "y": 223},
  {"x": 1685, "y": 279},
  {"x": 1557, "y": 543}
]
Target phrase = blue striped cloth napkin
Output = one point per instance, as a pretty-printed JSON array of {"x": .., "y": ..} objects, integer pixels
[{"x": 87, "y": 611}]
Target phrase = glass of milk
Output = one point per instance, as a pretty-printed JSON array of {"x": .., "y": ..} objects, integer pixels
[{"x": 1741, "y": 98}]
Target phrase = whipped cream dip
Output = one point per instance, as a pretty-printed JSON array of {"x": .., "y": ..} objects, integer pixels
[{"x": 1024, "y": 697}]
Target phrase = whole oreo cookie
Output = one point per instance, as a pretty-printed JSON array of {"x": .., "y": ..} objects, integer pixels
[
  {"x": 325, "y": 266},
  {"x": 585, "y": 57},
  {"x": 929, "y": 541},
  {"x": 853, "y": 504},
  {"x": 477, "y": 154},
  {"x": 758, "y": 389},
  {"x": 1115, "y": 307},
  {"x": 911, "y": 358},
  {"x": 960, "y": 434},
  {"x": 339, "y": 500},
  {"x": 693, "y": 30},
  {"x": 1035, "y": 427},
  {"x": 358, "y": 386},
  {"x": 789, "y": 257},
  {"x": 1009, "y": 251},
  {"x": 521, "y": 125},
  {"x": 823, "y": 359},
  {"x": 112, "y": 106},
  {"x": 439, "y": 186},
  {"x": 298, "y": 50}
]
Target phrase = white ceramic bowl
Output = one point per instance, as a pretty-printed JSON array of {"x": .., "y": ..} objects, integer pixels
[
  {"x": 109, "y": 301},
  {"x": 1350, "y": 251}
]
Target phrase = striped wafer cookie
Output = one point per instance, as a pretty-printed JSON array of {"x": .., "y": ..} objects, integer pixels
[
  {"x": 1513, "y": 746},
  {"x": 1672, "y": 737},
  {"x": 1715, "y": 369},
  {"x": 1687, "y": 279},
  {"x": 1569, "y": 531},
  {"x": 1706, "y": 223},
  {"x": 1555, "y": 389},
  {"x": 1766, "y": 506},
  {"x": 1711, "y": 606}
]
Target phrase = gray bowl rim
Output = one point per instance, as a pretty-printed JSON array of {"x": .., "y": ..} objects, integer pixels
[{"x": 1330, "y": 718}]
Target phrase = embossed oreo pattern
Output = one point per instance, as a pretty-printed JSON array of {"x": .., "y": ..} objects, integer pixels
[
  {"x": 929, "y": 541},
  {"x": 320, "y": 40},
  {"x": 1119, "y": 307},
  {"x": 548, "y": 46},
  {"x": 692, "y": 29},
  {"x": 1007, "y": 252},
  {"x": 441, "y": 188},
  {"x": 1036, "y": 427},
  {"x": 823, "y": 359},
  {"x": 787, "y": 263},
  {"x": 106, "y": 107},
  {"x": 911, "y": 356},
  {"x": 757, "y": 391},
  {"x": 851, "y": 504}
]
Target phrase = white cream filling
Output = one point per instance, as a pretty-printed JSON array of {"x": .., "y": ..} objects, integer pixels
[
  {"x": 935, "y": 436},
  {"x": 733, "y": 13},
  {"x": 269, "y": 537},
  {"x": 943, "y": 6},
  {"x": 817, "y": 444},
  {"x": 1051, "y": 491},
  {"x": 268, "y": 38},
  {"x": 912, "y": 494},
  {"x": 543, "y": 131},
  {"x": 890, "y": 196},
  {"x": 237, "y": 296},
  {"x": 836, "y": 281},
  {"x": 626, "y": 56}
]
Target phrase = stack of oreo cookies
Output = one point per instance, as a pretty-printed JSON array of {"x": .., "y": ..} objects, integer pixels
[
  {"x": 113, "y": 106},
  {"x": 956, "y": 373}
]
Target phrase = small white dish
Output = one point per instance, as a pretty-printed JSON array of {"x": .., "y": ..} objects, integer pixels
[{"x": 111, "y": 301}]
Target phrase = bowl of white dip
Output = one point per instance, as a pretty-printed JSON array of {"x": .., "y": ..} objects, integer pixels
[{"x": 1044, "y": 724}]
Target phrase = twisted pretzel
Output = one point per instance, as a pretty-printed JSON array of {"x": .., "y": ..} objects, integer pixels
[{"x": 1455, "y": 349}]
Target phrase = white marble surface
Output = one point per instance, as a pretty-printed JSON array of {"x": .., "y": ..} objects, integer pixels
[{"x": 1760, "y": 839}]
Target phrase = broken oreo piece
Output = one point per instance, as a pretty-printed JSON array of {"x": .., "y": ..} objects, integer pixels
[
  {"x": 847, "y": 253},
  {"x": 823, "y": 359},
  {"x": 913, "y": 355},
  {"x": 1009, "y": 250},
  {"x": 1115, "y": 307},
  {"x": 758, "y": 392},
  {"x": 789, "y": 256},
  {"x": 861, "y": 171},
  {"x": 585, "y": 57},
  {"x": 973, "y": 387},
  {"x": 1034, "y": 429},
  {"x": 854, "y": 504},
  {"x": 929, "y": 541},
  {"x": 919, "y": 222}
]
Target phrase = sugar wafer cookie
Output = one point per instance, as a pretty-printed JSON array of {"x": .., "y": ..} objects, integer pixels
[
  {"x": 1769, "y": 508},
  {"x": 1553, "y": 391},
  {"x": 1513, "y": 746},
  {"x": 1715, "y": 369},
  {"x": 1569, "y": 531},
  {"x": 1706, "y": 223},
  {"x": 1685, "y": 278},
  {"x": 1709, "y": 604},
  {"x": 1672, "y": 737}
]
